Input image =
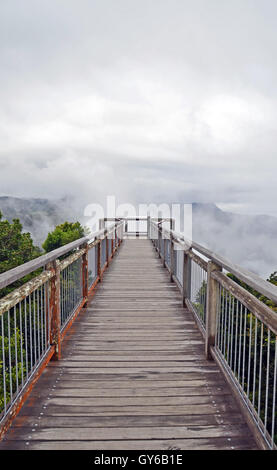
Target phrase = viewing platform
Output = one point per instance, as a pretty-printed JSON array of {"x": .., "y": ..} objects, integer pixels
[{"x": 130, "y": 343}]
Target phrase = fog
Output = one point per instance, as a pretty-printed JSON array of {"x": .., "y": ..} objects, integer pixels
[{"x": 161, "y": 101}]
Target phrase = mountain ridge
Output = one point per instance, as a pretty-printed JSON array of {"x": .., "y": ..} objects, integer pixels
[{"x": 248, "y": 240}]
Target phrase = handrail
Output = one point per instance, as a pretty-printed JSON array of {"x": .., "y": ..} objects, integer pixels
[{"x": 264, "y": 287}]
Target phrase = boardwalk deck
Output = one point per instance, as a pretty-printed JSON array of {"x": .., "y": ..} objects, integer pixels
[{"x": 133, "y": 373}]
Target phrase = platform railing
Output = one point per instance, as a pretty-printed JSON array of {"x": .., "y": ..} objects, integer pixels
[
  {"x": 238, "y": 328},
  {"x": 35, "y": 317},
  {"x": 134, "y": 227}
]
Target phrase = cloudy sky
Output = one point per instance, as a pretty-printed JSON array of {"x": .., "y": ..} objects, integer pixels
[{"x": 150, "y": 101}]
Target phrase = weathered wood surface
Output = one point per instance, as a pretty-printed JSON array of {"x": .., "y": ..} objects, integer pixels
[{"x": 133, "y": 373}]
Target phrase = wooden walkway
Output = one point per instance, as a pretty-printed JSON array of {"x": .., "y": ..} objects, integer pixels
[{"x": 133, "y": 374}]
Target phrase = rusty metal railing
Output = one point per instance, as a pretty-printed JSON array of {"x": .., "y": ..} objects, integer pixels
[
  {"x": 240, "y": 331},
  {"x": 35, "y": 317}
]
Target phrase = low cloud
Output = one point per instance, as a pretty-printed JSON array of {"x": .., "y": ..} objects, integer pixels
[{"x": 151, "y": 101}]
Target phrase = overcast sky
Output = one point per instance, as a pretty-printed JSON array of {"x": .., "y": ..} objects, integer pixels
[{"x": 149, "y": 100}]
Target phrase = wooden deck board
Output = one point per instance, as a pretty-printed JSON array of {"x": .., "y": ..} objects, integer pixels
[{"x": 133, "y": 374}]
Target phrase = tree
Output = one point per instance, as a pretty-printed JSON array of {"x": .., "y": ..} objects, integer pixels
[
  {"x": 272, "y": 279},
  {"x": 16, "y": 248},
  {"x": 63, "y": 234}
]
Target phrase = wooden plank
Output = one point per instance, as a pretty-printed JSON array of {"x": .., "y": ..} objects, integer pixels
[
  {"x": 79, "y": 392},
  {"x": 132, "y": 410},
  {"x": 150, "y": 357},
  {"x": 47, "y": 384},
  {"x": 130, "y": 370},
  {"x": 135, "y": 433},
  {"x": 121, "y": 421},
  {"x": 222, "y": 443},
  {"x": 137, "y": 401}
]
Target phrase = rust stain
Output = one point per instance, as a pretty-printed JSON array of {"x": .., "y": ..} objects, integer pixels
[{"x": 15, "y": 409}]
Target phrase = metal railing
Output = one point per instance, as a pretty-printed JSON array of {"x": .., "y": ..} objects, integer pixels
[
  {"x": 35, "y": 317},
  {"x": 135, "y": 226},
  {"x": 239, "y": 329}
]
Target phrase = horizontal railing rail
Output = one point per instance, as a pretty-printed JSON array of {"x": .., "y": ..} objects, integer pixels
[
  {"x": 35, "y": 317},
  {"x": 238, "y": 328}
]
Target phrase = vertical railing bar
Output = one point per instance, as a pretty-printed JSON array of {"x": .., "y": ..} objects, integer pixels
[
  {"x": 45, "y": 316},
  {"x": 232, "y": 331},
  {"x": 10, "y": 359},
  {"x": 67, "y": 295},
  {"x": 222, "y": 303},
  {"x": 225, "y": 324},
  {"x": 4, "y": 364},
  {"x": 15, "y": 348},
  {"x": 70, "y": 289},
  {"x": 229, "y": 325},
  {"x": 21, "y": 342},
  {"x": 255, "y": 362},
  {"x": 240, "y": 331},
  {"x": 48, "y": 313},
  {"x": 236, "y": 336},
  {"x": 62, "y": 294},
  {"x": 31, "y": 330},
  {"x": 244, "y": 346},
  {"x": 260, "y": 369},
  {"x": 274, "y": 396},
  {"x": 267, "y": 378},
  {"x": 41, "y": 320},
  {"x": 34, "y": 323},
  {"x": 73, "y": 288},
  {"x": 26, "y": 337},
  {"x": 202, "y": 295},
  {"x": 38, "y": 324},
  {"x": 249, "y": 355}
]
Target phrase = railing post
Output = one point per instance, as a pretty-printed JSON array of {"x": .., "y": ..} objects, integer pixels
[
  {"x": 148, "y": 227},
  {"x": 186, "y": 277},
  {"x": 99, "y": 271},
  {"x": 121, "y": 234},
  {"x": 211, "y": 309},
  {"x": 112, "y": 245},
  {"x": 115, "y": 239},
  {"x": 159, "y": 237},
  {"x": 85, "y": 273},
  {"x": 172, "y": 224},
  {"x": 164, "y": 250},
  {"x": 172, "y": 264},
  {"x": 107, "y": 249},
  {"x": 54, "y": 309}
]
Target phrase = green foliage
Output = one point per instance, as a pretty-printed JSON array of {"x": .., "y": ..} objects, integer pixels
[
  {"x": 272, "y": 278},
  {"x": 63, "y": 234},
  {"x": 15, "y": 248},
  {"x": 13, "y": 377},
  {"x": 200, "y": 301}
]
